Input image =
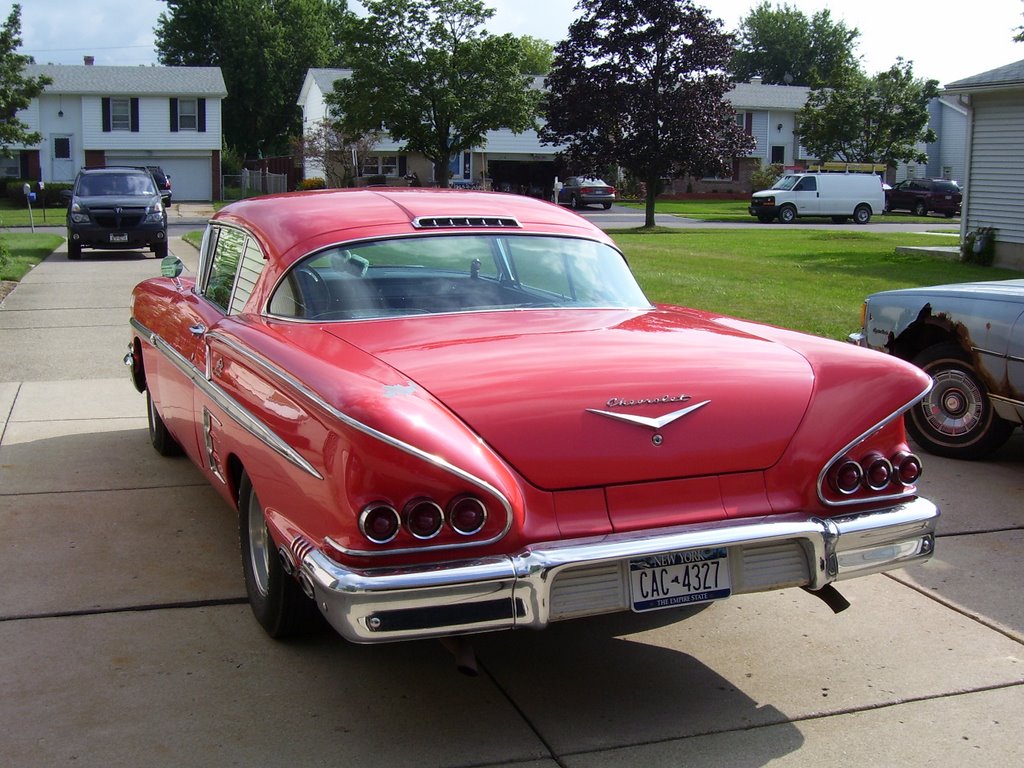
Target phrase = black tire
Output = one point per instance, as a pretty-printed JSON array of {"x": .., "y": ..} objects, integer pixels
[
  {"x": 606, "y": 206},
  {"x": 956, "y": 418},
  {"x": 920, "y": 209},
  {"x": 861, "y": 214},
  {"x": 574, "y": 203},
  {"x": 276, "y": 599},
  {"x": 160, "y": 250},
  {"x": 74, "y": 250},
  {"x": 787, "y": 214},
  {"x": 162, "y": 440},
  {"x": 949, "y": 214}
]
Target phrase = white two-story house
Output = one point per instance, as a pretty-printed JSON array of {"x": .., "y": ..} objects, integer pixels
[
  {"x": 508, "y": 161},
  {"x": 93, "y": 116}
]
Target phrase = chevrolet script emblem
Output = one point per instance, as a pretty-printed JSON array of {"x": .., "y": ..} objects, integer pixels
[{"x": 646, "y": 421}]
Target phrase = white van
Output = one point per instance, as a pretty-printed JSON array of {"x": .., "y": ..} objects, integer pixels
[{"x": 838, "y": 195}]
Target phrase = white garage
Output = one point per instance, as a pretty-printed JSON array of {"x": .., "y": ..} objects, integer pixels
[{"x": 191, "y": 175}]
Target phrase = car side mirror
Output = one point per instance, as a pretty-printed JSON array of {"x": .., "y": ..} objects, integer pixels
[
  {"x": 65, "y": 196},
  {"x": 165, "y": 198},
  {"x": 171, "y": 266}
]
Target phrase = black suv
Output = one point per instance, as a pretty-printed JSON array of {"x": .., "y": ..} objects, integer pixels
[
  {"x": 116, "y": 208},
  {"x": 921, "y": 196}
]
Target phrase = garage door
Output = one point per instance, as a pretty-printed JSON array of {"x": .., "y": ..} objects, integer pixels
[{"x": 190, "y": 176}]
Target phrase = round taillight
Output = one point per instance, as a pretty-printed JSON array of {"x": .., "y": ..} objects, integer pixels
[
  {"x": 908, "y": 467},
  {"x": 423, "y": 518},
  {"x": 846, "y": 477},
  {"x": 877, "y": 472},
  {"x": 380, "y": 523},
  {"x": 467, "y": 515}
]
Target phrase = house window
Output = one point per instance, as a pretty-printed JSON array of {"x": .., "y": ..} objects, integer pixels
[
  {"x": 10, "y": 167},
  {"x": 188, "y": 115},
  {"x": 380, "y": 165},
  {"x": 120, "y": 114},
  {"x": 778, "y": 154},
  {"x": 62, "y": 148}
]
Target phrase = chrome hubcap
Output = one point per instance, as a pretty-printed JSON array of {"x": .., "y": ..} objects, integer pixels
[
  {"x": 955, "y": 406},
  {"x": 259, "y": 552}
]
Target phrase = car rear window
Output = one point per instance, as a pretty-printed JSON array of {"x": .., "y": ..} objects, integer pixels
[{"x": 455, "y": 273}]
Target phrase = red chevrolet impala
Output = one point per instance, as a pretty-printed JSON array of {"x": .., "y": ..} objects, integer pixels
[{"x": 442, "y": 412}]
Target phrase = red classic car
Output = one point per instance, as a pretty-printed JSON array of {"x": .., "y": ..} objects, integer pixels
[{"x": 442, "y": 412}]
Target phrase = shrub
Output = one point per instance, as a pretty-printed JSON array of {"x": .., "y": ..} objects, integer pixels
[
  {"x": 764, "y": 176},
  {"x": 314, "y": 183}
]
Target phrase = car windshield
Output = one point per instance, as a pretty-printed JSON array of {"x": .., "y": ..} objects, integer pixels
[
  {"x": 116, "y": 184},
  {"x": 455, "y": 273},
  {"x": 785, "y": 182}
]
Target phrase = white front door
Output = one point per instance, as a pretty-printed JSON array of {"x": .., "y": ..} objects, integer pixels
[{"x": 62, "y": 161}]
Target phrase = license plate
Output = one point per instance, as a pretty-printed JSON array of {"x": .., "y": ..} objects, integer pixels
[
  {"x": 679, "y": 578},
  {"x": 119, "y": 237}
]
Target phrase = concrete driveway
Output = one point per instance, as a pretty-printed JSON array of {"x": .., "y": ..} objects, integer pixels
[{"x": 127, "y": 642}]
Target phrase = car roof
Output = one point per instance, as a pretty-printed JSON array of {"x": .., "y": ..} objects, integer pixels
[
  {"x": 112, "y": 169},
  {"x": 294, "y": 224}
]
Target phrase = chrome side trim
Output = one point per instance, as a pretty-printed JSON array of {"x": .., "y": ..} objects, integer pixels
[
  {"x": 864, "y": 436},
  {"x": 235, "y": 410},
  {"x": 515, "y": 590},
  {"x": 436, "y": 461}
]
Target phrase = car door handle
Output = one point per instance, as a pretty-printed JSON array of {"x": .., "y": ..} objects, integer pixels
[{"x": 197, "y": 330}]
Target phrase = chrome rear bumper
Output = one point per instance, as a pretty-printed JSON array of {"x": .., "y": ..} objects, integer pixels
[{"x": 567, "y": 579}]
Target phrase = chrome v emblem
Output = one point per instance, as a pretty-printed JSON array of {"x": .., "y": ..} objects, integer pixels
[{"x": 644, "y": 421}]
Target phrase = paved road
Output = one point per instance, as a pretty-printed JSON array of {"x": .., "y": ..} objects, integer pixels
[{"x": 127, "y": 642}]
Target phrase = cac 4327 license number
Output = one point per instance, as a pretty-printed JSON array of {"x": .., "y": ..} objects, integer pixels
[{"x": 679, "y": 578}]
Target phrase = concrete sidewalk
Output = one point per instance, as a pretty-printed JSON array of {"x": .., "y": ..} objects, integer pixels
[{"x": 127, "y": 640}]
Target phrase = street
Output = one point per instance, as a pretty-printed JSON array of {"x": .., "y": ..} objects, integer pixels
[{"x": 128, "y": 641}]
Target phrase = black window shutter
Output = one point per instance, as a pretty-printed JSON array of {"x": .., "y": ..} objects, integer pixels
[
  {"x": 402, "y": 165},
  {"x": 106, "y": 114},
  {"x": 135, "y": 116},
  {"x": 201, "y": 117},
  {"x": 174, "y": 115}
]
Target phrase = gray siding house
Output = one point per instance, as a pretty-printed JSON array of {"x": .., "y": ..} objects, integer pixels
[
  {"x": 91, "y": 116},
  {"x": 994, "y": 177}
]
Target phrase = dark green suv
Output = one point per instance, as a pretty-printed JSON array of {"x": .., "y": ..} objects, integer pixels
[{"x": 115, "y": 209}]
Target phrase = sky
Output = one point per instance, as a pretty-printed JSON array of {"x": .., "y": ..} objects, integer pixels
[{"x": 947, "y": 40}]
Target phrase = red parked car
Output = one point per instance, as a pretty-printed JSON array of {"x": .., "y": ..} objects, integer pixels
[
  {"x": 441, "y": 412},
  {"x": 923, "y": 196}
]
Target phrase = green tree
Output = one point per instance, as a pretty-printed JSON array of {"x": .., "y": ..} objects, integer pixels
[
  {"x": 880, "y": 119},
  {"x": 785, "y": 47},
  {"x": 16, "y": 90},
  {"x": 263, "y": 48},
  {"x": 640, "y": 83},
  {"x": 537, "y": 55},
  {"x": 428, "y": 73}
]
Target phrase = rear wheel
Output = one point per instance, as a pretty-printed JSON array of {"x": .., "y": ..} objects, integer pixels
[
  {"x": 74, "y": 250},
  {"x": 276, "y": 599},
  {"x": 956, "y": 418},
  {"x": 162, "y": 440},
  {"x": 861, "y": 214},
  {"x": 920, "y": 209},
  {"x": 606, "y": 206},
  {"x": 787, "y": 214}
]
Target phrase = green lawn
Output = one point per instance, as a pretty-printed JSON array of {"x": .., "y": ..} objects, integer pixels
[
  {"x": 813, "y": 281},
  {"x": 17, "y": 215},
  {"x": 26, "y": 251},
  {"x": 736, "y": 210}
]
